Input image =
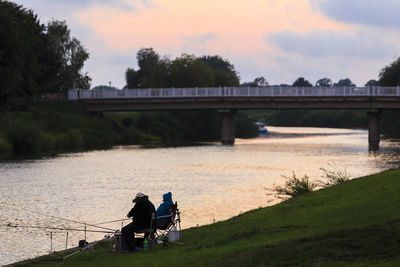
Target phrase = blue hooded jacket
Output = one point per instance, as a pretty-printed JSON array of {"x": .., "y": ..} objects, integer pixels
[{"x": 163, "y": 209}]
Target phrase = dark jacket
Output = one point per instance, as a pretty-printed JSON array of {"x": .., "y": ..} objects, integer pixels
[
  {"x": 141, "y": 212},
  {"x": 163, "y": 209}
]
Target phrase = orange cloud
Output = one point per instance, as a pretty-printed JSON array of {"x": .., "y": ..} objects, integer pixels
[{"x": 238, "y": 26}]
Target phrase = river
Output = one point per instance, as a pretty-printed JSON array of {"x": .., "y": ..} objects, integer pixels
[{"x": 210, "y": 182}]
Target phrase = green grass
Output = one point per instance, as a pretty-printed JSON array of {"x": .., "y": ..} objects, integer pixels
[{"x": 356, "y": 223}]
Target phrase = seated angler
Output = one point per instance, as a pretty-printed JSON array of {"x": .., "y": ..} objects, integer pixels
[
  {"x": 163, "y": 211},
  {"x": 141, "y": 215}
]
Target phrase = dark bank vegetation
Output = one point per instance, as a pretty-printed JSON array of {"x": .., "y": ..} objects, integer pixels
[
  {"x": 355, "y": 223},
  {"x": 35, "y": 58},
  {"x": 39, "y": 128},
  {"x": 312, "y": 118},
  {"x": 350, "y": 119}
]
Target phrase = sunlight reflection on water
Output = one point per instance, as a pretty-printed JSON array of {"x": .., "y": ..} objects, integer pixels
[{"x": 210, "y": 182}]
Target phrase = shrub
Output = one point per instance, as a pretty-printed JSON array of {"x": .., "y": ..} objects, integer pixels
[
  {"x": 26, "y": 138},
  {"x": 334, "y": 176},
  {"x": 293, "y": 187},
  {"x": 70, "y": 140}
]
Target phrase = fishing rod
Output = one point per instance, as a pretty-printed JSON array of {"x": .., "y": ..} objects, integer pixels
[
  {"x": 54, "y": 228},
  {"x": 91, "y": 245},
  {"x": 120, "y": 220},
  {"x": 68, "y": 220}
]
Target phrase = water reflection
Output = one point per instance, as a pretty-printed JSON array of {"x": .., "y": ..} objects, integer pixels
[{"x": 210, "y": 182}]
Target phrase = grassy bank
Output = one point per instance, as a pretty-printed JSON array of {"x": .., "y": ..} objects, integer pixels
[{"x": 353, "y": 224}]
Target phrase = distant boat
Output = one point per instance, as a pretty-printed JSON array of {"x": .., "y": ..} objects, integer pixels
[{"x": 261, "y": 128}]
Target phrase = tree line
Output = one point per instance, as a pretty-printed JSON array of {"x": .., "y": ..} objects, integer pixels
[
  {"x": 187, "y": 70},
  {"x": 388, "y": 76},
  {"x": 36, "y": 58},
  {"x": 190, "y": 71}
]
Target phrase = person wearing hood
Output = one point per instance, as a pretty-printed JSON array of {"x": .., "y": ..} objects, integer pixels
[
  {"x": 141, "y": 215},
  {"x": 164, "y": 209}
]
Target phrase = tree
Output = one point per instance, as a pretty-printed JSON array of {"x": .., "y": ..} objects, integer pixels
[
  {"x": 152, "y": 69},
  {"x": 184, "y": 71},
  {"x": 21, "y": 47},
  {"x": 71, "y": 56},
  {"x": 390, "y": 75},
  {"x": 344, "y": 83},
  {"x": 132, "y": 78},
  {"x": 372, "y": 83},
  {"x": 324, "y": 82},
  {"x": 258, "y": 82},
  {"x": 34, "y": 60},
  {"x": 223, "y": 71},
  {"x": 188, "y": 71},
  {"x": 301, "y": 82}
]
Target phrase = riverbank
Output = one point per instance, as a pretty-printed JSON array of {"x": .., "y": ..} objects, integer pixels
[
  {"x": 355, "y": 223},
  {"x": 35, "y": 128}
]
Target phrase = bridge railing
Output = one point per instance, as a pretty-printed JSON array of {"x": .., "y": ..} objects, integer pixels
[{"x": 75, "y": 94}]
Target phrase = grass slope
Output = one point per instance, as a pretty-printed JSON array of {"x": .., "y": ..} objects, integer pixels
[{"x": 353, "y": 224}]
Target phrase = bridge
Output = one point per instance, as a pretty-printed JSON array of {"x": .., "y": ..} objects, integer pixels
[{"x": 227, "y": 100}]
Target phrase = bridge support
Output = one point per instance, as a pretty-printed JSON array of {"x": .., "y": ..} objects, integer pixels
[
  {"x": 373, "y": 130},
  {"x": 227, "y": 127}
]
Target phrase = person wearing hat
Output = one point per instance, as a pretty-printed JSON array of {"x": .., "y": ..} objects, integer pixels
[{"x": 141, "y": 214}]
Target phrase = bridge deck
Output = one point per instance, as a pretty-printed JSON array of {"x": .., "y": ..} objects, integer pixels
[{"x": 240, "y": 98}]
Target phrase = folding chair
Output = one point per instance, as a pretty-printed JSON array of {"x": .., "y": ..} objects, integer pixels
[
  {"x": 149, "y": 232},
  {"x": 173, "y": 224}
]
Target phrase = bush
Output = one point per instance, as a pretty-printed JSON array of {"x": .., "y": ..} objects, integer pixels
[
  {"x": 293, "y": 187},
  {"x": 70, "y": 140},
  {"x": 334, "y": 176},
  {"x": 26, "y": 139}
]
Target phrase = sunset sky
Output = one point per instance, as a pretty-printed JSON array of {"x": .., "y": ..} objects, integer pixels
[{"x": 278, "y": 39}]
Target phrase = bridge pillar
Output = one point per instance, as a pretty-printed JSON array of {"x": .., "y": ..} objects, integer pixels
[
  {"x": 227, "y": 127},
  {"x": 373, "y": 129}
]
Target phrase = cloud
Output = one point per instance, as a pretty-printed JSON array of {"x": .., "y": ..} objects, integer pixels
[
  {"x": 200, "y": 39},
  {"x": 67, "y": 9},
  {"x": 381, "y": 13},
  {"x": 319, "y": 44}
]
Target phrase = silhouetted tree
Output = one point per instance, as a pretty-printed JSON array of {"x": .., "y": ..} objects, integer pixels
[
  {"x": 390, "y": 75},
  {"x": 71, "y": 57},
  {"x": 372, "y": 83},
  {"x": 324, "y": 82},
  {"x": 345, "y": 82},
  {"x": 153, "y": 70},
  {"x": 35, "y": 59},
  {"x": 301, "y": 82},
  {"x": 188, "y": 71},
  {"x": 257, "y": 82},
  {"x": 22, "y": 40},
  {"x": 132, "y": 78},
  {"x": 184, "y": 71},
  {"x": 223, "y": 71}
]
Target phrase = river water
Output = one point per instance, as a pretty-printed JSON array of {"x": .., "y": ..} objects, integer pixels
[{"x": 210, "y": 182}]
